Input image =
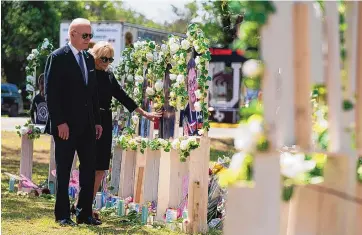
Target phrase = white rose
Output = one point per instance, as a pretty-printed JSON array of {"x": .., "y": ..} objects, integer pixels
[
  {"x": 149, "y": 56},
  {"x": 29, "y": 88},
  {"x": 45, "y": 44},
  {"x": 172, "y": 41},
  {"x": 173, "y": 77},
  {"x": 150, "y": 91},
  {"x": 185, "y": 44},
  {"x": 174, "y": 48},
  {"x": 137, "y": 45},
  {"x": 24, "y": 130},
  {"x": 35, "y": 52},
  {"x": 197, "y": 106},
  {"x": 136, "y": 91},
  {"x": 159, "y": 85},
  {"x": 30, "y": 79},
  {"x": 172, "y": 94},
  {"x": 197, "y": 60},
  {"x": 198, "y": 94},
  {"x": 135, "y": 119},
  {"x": 184, "y": 144},
  {"x": 139, "y": 79},
  {"x": 129, "y": 78},
  {"x": 197, "y": 48},
  {"x": 251, "y": 68},
  {"x": 164, "y": 48},
  {"x": 192, "y": 139},
  {"x": 30, "y": 57},
  {"x": 180, "y": 78},
  {"x": 175, "y": 144}
]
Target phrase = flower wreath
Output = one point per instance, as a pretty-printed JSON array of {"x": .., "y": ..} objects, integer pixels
[{"x": 43, "y": 49}]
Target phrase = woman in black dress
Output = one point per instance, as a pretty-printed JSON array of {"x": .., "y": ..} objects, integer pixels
[{"x": 108, "y": 87}]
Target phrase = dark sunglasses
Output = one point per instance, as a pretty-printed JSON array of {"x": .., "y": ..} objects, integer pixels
[
  {"x": 85, "y": 35},
  {"x": 105, "y": 59}
]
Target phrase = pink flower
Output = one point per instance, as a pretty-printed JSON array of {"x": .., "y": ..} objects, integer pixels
[{"x": 30, "y": 131}]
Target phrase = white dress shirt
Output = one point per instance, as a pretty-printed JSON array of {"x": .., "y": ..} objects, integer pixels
[{"x": 75, "y": 53}]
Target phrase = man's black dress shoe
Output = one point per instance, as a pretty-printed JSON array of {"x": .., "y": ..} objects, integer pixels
[
  {"x": 89, "y": 220},
  {"x": 66, "y": 222}
]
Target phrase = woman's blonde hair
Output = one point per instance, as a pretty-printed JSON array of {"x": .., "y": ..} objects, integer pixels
[{"x": 102, "y": 49}]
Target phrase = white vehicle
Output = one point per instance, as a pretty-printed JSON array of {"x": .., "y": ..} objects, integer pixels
[{"x": 119, "y": 34}]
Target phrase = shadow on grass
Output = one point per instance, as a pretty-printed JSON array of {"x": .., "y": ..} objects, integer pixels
[{"x": 15, "y": 207}]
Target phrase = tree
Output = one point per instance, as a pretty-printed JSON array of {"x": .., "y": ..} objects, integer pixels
[{"x": 22, "y": 28}]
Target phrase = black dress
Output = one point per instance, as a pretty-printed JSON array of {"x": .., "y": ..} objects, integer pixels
[{"x": 108, "y": 87}]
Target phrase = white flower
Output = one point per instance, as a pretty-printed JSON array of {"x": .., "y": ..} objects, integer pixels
[
  {"x": 173, "y": 77},
  {"x": 184, "y": 145},
  {"x": 30, "y": 57},
  {"x": 185, "y": 44},
  {"x": 180, "y": 78},
  {"x": 150, "y": 91},
  {"x": 197, "y": 60},
  {"x": 198, "y": 94},
  {"x": 323, "y": 123},
  {"x": 172, "y": 40},
  {"x": 159, "y": 85},
  {"x": 172, "y": 94},
  {"x": 136, "y": 91},
  {"x": 137, "y": 44},
  {"x": 139, "y": 79},
  {"x": 255, "y": 127},
  {"x": 197, "y": 106},
  {"x": 295, "y": 165},
  {"x": 130, "y": 78},
  {"x": 251, "y": 68},
  {"x": 197, "y": 48},
  {"x": 174, "y": 48},
  {"x": 149, "y": 56},
  {"x": 45, "y": 44},
  {"x": 135, "y": 119},
  {"x": 133, "y": 142},
  {"x": 35, "y": 52},
  {"x": 244, "y": 140},
  {"x": 29, "y": 88},
  {"x": 175, "y": 144},
  {"x": 164, "y": 48},
  {"x": 192, "y": 139},
  {"x": 30, "y": 79},
  {"x": 24, "y": 130},
  {"x": 126, "y": 69},
  {"x": 237, "y": 161}
]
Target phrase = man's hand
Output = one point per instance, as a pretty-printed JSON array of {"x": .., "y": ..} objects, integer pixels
[
  {"x": 99, "y": 131},
  {"x": 152, "y": 116},
  {"x": 63, "y": 131}
]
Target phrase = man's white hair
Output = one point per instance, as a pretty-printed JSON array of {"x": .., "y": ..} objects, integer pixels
[{"x": 76, "y": 22}]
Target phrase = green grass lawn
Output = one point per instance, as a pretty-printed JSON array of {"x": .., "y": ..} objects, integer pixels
[{"x": 34, "y": 215}]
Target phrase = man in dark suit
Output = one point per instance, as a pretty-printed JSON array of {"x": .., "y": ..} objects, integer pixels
[{"x": 71, "y": 95}]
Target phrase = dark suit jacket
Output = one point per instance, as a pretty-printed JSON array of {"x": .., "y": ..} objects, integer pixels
[{"x": 69, "y": 99}]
